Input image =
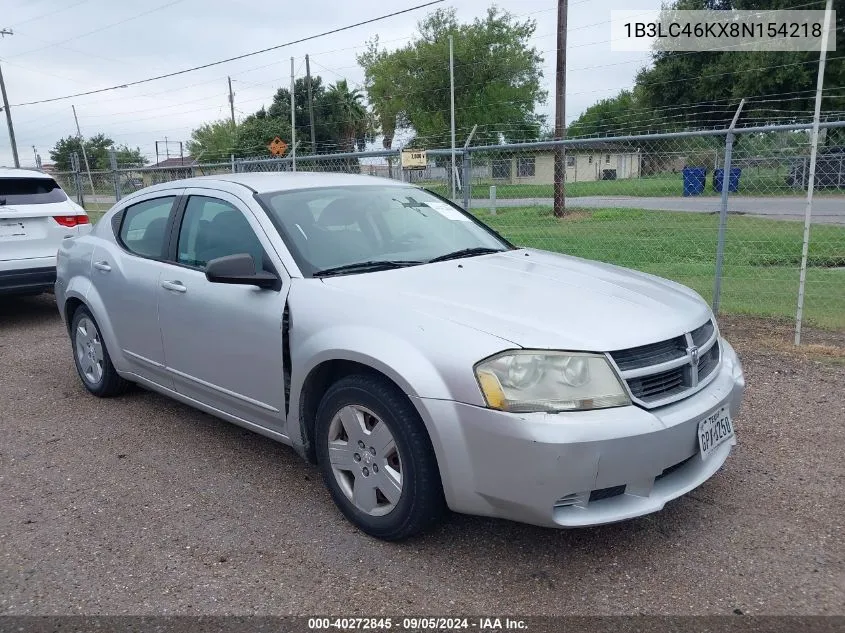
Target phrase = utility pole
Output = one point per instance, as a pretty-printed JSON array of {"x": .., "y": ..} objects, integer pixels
[
  {"x": 310, "y": 105},
  {"x": 292, "y": 118},
  {"x": 84, "y": 154},
  {"x": 14, "y": 145},
  {"x": 231, "y": 101},
  {"x": 560, "y": 111}
]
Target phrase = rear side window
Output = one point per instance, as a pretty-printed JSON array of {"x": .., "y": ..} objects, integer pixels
[
  {"x": 144, "y": 227},
  {"x": 30, "y": 191}
]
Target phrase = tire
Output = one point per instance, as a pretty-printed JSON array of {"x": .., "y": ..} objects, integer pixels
[
  {"x": 363, "y": 481},
  {"x": 92, "y": 360}
]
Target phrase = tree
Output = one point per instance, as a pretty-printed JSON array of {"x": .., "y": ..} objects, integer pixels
[
  {"x": 702, "y": 89},
  {"x": 497, "y": 80},
  {"x": 350, "y": 120},
  {"x": 609, "y": 117},
  {"x": 219, "y": 140},
  {"x": 97, "y": 150},
  {"x": 325, "y": 132},
  {"x": 213, "y": 142}
]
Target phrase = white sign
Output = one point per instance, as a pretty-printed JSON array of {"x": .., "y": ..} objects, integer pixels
[
  {"x": 448, "y": 211},
  {"x": 414, "y": 159}
]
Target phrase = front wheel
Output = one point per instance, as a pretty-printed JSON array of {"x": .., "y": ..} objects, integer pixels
[{"x": 376, "y": 458}]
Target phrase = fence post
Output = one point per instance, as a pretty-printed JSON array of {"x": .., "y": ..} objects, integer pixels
[
  {"x": 467, "y": 177},
  {"x": 234, "y": 168},
  {"x": 115, "y": 175},
  {"x": 492, "y": 199},
  {"x": 723, "y": 210},
  {"x": 77, "y": 178}
]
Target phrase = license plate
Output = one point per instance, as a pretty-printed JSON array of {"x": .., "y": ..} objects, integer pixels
[
  {"x": 713, "y": 431},
  {"x": 14, "y": 229}
]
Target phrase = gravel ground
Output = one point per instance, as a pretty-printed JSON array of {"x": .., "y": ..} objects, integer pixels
[{"x": 140, "y": 505}]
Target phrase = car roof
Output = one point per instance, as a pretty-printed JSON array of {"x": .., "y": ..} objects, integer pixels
[
  {"x": 10, "y": 172},
  {"x": 264, "y": 182}
]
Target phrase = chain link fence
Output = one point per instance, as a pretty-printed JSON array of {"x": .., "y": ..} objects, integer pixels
[{"x": 651, "y": 202}]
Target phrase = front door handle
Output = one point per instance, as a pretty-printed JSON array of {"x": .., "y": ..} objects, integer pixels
[
  {"x": 104, "y": 266},
  {"x": 175, "y": 286}
]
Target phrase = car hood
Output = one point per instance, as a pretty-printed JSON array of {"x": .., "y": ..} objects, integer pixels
[{"x": 540, "y": 300}]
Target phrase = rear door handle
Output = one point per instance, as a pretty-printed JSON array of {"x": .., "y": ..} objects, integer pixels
[
  {"x": 175, "y": 286},
  {"x": 104, "y": 266}
]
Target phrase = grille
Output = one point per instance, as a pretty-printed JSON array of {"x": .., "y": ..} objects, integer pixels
[
  {"x": 663, "y": 372},
  {"x": 702, "y": 334},
  {"x": 606, "y": 493},
  {"x": 653, "y": 354},
  {"x": 658, "y": 385},
  {"x": 673, "y": 468},
  {"x": 707, "y": 362}
]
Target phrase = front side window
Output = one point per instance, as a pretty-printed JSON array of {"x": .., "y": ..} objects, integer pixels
[
  {"x": 213, "y": 228},
  {"x": 337, "y": 226},
  {"x": 143, "y": 230},
  {"x": 30, "y": 191}
]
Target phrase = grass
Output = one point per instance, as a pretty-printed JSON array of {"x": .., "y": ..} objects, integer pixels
[
  {"x": 762, "y": 257},
  {"x": 753, "y": 182}
]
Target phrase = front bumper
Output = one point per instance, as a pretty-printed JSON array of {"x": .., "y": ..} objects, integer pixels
[{"x": 582, "y": 468}]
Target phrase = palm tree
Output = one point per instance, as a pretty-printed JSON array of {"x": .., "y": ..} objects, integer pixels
[{"x": 349, "y": 115}]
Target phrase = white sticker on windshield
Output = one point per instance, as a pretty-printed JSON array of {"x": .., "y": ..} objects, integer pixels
[{"x": 447, "y": 211}]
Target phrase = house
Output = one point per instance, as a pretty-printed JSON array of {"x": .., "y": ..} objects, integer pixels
[
  {"x": 168, "y": 169},
  {"x": 585, "y": 162}
]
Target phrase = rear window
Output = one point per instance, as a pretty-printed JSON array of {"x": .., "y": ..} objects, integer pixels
[{"x": 30, "y": 191}]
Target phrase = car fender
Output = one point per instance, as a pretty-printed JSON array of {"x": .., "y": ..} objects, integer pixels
[{"x": 401, "y": 361}]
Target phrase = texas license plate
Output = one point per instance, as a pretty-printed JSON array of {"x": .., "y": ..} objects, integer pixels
[
  {"x": 713, "y": 431},
  {"x": 12, "y": 229}
]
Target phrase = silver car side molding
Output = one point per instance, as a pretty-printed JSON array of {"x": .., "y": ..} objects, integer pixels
[
  {"x": 232, "y": 394},
  {"x": 252, "y": 426}
]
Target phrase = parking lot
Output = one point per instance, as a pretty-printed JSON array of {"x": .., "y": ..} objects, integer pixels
[{"x": 141, "y": 505}]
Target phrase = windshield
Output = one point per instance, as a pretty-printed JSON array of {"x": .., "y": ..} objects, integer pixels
[
  {"x": 333, "y": 227},
  {"x": 30, "y": 191}
]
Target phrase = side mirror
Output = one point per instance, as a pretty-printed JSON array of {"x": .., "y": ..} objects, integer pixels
[{"x": 240, "y": 269}]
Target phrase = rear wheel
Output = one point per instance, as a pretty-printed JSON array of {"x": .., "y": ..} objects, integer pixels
[
  {"x": 92, "y": 358},
  {"x": 376, "y": 458}
]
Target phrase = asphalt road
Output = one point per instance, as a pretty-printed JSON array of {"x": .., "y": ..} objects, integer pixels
[
  {"x": 141, "y": 505},
  {"x": 826, "y": 209}
]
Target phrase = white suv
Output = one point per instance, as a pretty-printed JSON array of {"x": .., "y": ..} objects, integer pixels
[{"x": 35, "y": 216}]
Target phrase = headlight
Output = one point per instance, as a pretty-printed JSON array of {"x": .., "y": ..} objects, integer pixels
[{"x": 526, "y": 381}]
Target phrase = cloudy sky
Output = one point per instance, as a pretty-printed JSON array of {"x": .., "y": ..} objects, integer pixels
[{"x": 61, "y": 47}]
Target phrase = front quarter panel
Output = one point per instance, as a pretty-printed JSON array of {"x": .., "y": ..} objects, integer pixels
[{"x": 427, "y": 357}]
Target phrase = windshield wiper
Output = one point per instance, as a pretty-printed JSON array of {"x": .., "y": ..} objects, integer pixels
[
  {"x": 466, "y": 252},
  {"x": 365, "y": 267}
]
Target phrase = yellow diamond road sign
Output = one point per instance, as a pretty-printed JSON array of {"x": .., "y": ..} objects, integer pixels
[{"x": 277, "y": 147}]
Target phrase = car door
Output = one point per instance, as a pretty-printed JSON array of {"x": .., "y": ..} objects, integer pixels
[
  {"x": 223, "y": 342},
  {"x": 125, "y": 274}
]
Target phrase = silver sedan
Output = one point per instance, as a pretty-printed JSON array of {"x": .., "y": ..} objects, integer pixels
[{"x": 420, "y": 359}]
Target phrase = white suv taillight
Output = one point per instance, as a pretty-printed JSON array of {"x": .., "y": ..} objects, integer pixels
[{"x": 71, "y": 221}]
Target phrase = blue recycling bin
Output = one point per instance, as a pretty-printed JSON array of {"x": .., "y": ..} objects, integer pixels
[
  {"x": 733, "y": 180},
  {"x": 694, "y": 179}
]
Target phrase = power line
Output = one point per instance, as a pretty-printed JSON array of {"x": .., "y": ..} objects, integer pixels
[
  {"x": 102, "y": 28},
  {"x": 237, "y": 57}
]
